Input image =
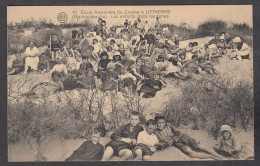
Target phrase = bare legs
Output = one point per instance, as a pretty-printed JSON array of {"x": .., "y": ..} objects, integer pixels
[{"x": 124, "y": 154}]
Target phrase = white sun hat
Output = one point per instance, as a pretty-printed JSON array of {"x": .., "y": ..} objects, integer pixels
[{"x": 237, "y": 40}]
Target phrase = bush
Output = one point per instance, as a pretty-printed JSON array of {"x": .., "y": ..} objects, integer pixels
[
  {"x": 211, "y": 27},
  {"x": 218, "y": 101},
  {"x": 74, "y": 114}
]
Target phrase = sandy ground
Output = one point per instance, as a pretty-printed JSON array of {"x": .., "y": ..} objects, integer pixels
[{"x": 58, "y": 149}]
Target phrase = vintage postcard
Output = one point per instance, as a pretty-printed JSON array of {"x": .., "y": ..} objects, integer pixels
[{"x": 130, "y": 83}]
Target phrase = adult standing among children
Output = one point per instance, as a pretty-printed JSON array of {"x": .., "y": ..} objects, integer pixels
[
  {"x": 241, "y": 50},
  {"x": 32, "y": 58}
]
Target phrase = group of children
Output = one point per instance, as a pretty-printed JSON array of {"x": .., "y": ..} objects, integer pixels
[
  {"x": 135, "y": 142},
  {"x": 128, "y": 56}
]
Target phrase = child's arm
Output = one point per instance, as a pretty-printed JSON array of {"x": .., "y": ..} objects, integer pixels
[{"x": 116, "y": 136}]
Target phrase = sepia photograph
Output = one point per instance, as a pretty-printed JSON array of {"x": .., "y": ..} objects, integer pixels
[{"x": 130, "y": 83}]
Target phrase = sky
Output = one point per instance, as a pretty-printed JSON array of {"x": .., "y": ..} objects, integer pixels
[{"x": 190, "y": 14}]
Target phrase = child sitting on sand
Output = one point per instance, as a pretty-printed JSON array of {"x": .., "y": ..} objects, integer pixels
[
  {"x": 124, "y": 139},
  {"x": 90, "y": 150},
  {"x": 208, "y": 67},
  {"x": 229, "y": 145},
  {"x": 146, "y": 142},
  {"x": 150, "y": 86}
]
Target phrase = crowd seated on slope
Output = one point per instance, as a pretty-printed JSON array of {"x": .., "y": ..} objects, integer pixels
[{"x": 138, "y": 56}]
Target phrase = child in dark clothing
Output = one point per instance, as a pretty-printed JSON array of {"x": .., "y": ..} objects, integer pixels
[
  {"x": 150, "y": 41},
  {"x": 44, "y": 65},
  {"x": 150, "y": 86},
  {"x": 17, "y": 65},
  {"x": 207, "y": 67},
  {"x": 147, "y": 69},
  {"x": 55, "y": 47},
  {"x": 124, "y": 139},
  {"x": 88, "y": 79},
  {"x": 85, "y": 65},
  {"x": 90, "y": 150}
]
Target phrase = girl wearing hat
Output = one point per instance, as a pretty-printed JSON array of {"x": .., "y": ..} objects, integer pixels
[
  {"x": 229, "y": 145},
  {"x": 241, "y": 50}
]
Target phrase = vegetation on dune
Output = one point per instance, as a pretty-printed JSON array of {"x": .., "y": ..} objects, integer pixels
[{"x": 208, "y": 102}]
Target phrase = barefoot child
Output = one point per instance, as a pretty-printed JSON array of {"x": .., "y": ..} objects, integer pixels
[
  {"x": 90, "y": 150},
  {"x": 146, "y": 142},
  {"x": 123, "y": 139},
  {"x": 168, "y": 136}
]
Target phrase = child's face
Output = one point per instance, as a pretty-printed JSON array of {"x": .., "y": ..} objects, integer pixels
[
  {"x": 56, "y": 78},
  {"x": 117, "y": 57},
  {"x": 226, "y": 135},
  {"x": 139, "y": 63},
  {"x": 112, "y": 43},
  {"x": 150, "y": 129},
  {"x": 134, "y": 120},
  {"x": 95, "y": 138},
  {"x": 220, "y": 49},
  {"x": 161, "y": 59},
  {"x": 161, "y": 124},
  {"x": 90, "y": 73},
  {"x": 110, "y": 69},
  {"x": 182, "y": 57},
  {"x": 121, "y": 47},
  {"x": 104, "y": 57},
  {"x": 78, "y": 59},
  {"x": 147, "y": 63},
  {"x": 54, "y": 38},
  {"x": 156, "y": 77},
  {"x": 160, "y": 45}
]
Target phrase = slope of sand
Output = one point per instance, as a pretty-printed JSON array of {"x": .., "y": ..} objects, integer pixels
[{"x": 58, "y": 149}]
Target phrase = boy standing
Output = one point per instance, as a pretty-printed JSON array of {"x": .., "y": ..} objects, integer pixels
[{"x": 124, "y": 139}]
